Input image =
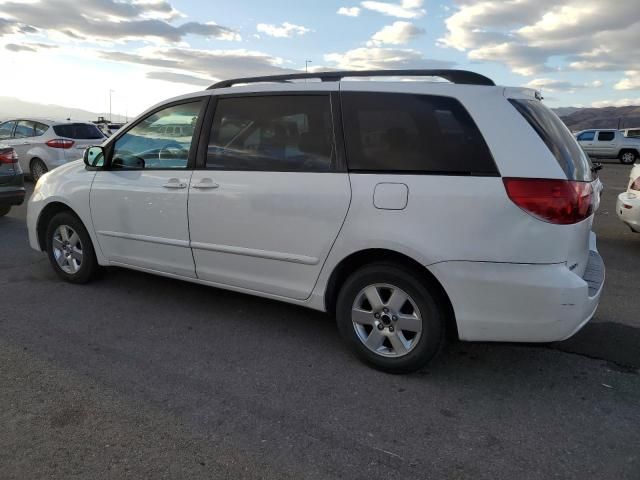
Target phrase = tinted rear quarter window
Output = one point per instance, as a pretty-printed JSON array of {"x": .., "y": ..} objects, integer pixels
[
  {"x": 398, "y": 132},
  {"x": 79, "y": 131},
  {"x": 559, "y": 140}
]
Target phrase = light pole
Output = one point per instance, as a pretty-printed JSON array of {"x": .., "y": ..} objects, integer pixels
[
  {"x": 306, "y": 65},
  {"x": 110, "y": 92}
]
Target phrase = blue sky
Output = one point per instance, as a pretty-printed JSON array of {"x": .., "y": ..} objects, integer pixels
[{"x": 72, "y": 53}]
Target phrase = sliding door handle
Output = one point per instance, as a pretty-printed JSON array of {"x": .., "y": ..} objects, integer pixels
[{"x": 205, "y": 183}]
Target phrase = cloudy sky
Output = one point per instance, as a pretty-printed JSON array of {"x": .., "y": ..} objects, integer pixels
[{"x": 72, "y": 52}]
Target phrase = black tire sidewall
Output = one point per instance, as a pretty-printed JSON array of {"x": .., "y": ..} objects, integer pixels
[
  {"x": 4, "y": 209},
  {"x": 33, "y": 162},
  {"x": 432, "y": 337},
  {"x": 635, "y": 157},
  {"x": 89, "y": 262}
]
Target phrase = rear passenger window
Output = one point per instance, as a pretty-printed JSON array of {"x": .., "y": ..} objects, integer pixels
[
  {"x": 412, "y": 133},
  {"x": 606, "y": 136},
  {"x": 40, "y": 128},
  {"x": 286, "y": 133}
]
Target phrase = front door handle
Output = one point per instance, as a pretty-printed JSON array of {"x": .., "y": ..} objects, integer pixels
[
  {"x": 205, "y": 183},
  {"x": 175, "y": 183}
]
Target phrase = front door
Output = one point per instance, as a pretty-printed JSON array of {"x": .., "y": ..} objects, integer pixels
[
  {"x": 272, "y": 195},
  {"x": 139, "y": 203}
]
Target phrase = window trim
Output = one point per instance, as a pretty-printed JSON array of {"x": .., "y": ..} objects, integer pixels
[
  {"x": 339, "y": 164},
  {"x": 468, "y": 173},
  {"x": 110, "y": 144}
]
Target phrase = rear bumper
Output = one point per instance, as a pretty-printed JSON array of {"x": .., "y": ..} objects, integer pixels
[
  {"x": 628, "y": 210},
  {"x": 12, "y": 195},
  {"x": 521, "y": 302}
]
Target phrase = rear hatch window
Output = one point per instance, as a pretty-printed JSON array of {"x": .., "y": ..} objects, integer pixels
[
  {"x": 569, "y": 155},
  {"x": 78, "y": 131}
]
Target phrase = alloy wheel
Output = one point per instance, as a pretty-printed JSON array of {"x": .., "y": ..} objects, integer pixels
[
  {"x": 386, "y": 320},
  {"x": 67, "y": 249}
]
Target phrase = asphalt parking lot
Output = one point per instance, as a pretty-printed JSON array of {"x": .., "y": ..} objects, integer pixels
[{"x": 136, "y": 376}]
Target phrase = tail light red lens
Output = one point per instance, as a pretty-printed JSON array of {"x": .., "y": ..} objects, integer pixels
[
  {"x": 8, "y": 155},
  {"x": 636, "y": 184},
  {"x": 60, "y": 143},
  {"x": 561, "y": 202}
]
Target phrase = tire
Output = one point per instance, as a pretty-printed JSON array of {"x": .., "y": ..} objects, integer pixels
[
  {"x": 628, "y": 157},
  {"x": 37, "y": 168},
  {"x": 412, "y": 331},
  {"x": 78, "y": 263},
  {"x": 4, "y": 209}
]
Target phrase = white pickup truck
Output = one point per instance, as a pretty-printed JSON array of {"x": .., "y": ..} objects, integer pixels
[{"x": 609, "y": 144}]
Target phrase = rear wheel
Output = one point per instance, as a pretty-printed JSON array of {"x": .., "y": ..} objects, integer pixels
[
  {"x": 389, "y": 318},
  {"x": 628, "y": 157},
  {"x": 4, "y": 209},
  {"x": 37, "y": 169},
  {"x": 70, "y": 250}
]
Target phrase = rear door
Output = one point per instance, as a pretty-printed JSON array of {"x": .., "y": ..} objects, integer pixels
[
  {"x": 272, "y": 193},
  {"x": 575, "y": 165},
  {"x": 605, "y": 144}
]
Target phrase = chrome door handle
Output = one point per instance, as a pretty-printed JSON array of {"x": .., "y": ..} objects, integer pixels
[
  {"x": 175, "y": 183},
  {"x": 205, "y": 184}
]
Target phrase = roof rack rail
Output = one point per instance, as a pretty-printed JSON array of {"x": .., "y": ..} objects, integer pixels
[{"x": 454, "y": 76}]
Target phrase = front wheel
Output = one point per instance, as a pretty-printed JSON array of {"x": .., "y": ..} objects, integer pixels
[
  {"x": 69, "y": 249},
  {"x": 389, "y": 317},
  {"x": 628, "y": 157}
]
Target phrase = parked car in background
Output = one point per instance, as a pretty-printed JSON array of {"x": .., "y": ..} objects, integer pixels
[
  {"x": 405, "y": 209},
  {"x": 631, "y": 132},
  {"x": 628, "y": 204},
  {"x": 43, "y": 144},
  {"x": 11, "y": 180},
  {"x": 609, "y": 144}
]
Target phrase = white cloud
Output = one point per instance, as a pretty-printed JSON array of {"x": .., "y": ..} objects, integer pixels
[
  {"x": 383, "y": 58},
  {"x": 621, "y": 102},
  {"x": 349, "y": 11},
  {"x": 398, "y": 33},
  {"x": 105, "y": 21},
  {"x": 553, "y": 85},
  {"x": 404, "y": 9},
  {"x": 286, "y": 30},
  {"x": 630, "y": 82},
  {"x": 526, "y": 34}
]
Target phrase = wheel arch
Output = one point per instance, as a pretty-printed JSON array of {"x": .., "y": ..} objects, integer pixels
[
  {"x": 47, "y": 213},
  {"x": 358, "y": 259}
]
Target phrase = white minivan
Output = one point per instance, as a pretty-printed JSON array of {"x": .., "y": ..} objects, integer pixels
[{"x": 409, "y": 210}]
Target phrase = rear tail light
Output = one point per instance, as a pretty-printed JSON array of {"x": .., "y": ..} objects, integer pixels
[
  {"x": 60, "y": 143},
  {"x": 8, "y": 155},
  {"x": 636, "y": 184},
  {"x": 561, "y": 202}
]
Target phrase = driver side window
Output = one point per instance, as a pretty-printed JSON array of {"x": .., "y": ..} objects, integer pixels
[{"x": 161, "y": 141}]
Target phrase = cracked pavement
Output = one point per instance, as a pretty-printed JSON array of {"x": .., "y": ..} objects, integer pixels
[{"x": 136, "y": 376}]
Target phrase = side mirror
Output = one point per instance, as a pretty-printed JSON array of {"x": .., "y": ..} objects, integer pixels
[{"x": 94, "y": 157}]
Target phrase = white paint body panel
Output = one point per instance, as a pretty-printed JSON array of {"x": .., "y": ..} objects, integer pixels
[
  {"x": 140, "y": 222},
  {"x": 266, "y": 231},
  {"x": 508, "y": 275}
]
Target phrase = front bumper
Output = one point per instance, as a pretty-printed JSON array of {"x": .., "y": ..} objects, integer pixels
[
  {"x": 628, "y": 210},
  {"x": 521, "y": 302}
]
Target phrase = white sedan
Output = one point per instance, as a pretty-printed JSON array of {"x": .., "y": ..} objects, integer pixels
[{"x": 628, "y": 205}]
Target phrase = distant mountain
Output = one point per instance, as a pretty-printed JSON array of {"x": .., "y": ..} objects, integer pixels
[
  {"x": 11, "y": 107},
  {"x": 606, "y": 117}
]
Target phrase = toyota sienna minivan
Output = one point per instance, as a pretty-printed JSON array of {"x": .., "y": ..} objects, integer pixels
[{"x": 409, "y": 210}]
